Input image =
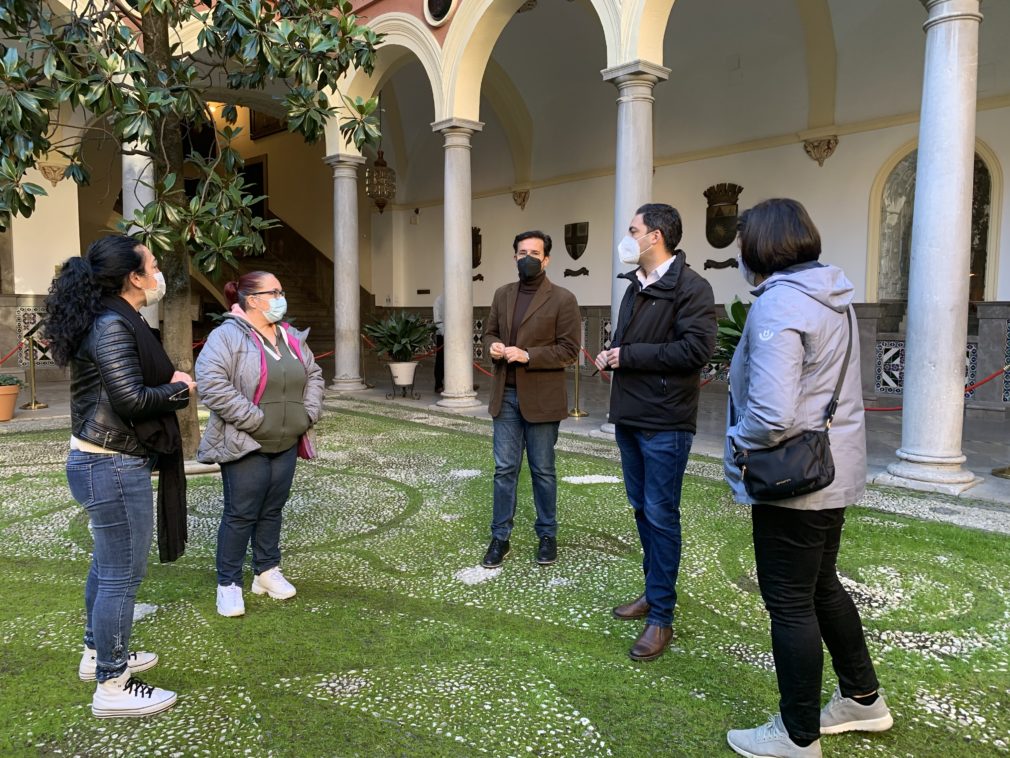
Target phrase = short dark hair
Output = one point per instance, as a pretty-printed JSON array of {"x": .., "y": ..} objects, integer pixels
[
  {"x": 533, "y": 234},
  {"x": 776, "y": 234},
  {"x": 663, "y": 218}
]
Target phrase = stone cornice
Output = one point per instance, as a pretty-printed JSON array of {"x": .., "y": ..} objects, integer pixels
[{"x": 639, "y": 69}]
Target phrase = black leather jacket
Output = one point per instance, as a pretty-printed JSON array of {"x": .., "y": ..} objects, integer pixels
[{"x": 107, "y": 391}]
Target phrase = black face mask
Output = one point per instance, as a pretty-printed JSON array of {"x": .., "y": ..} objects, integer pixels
[{"x": 529, "y": 267}]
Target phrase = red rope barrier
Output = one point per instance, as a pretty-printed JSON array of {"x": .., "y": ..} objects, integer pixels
[
  {"x": 967, "y": 389},
  {"x": 325, "y": 355},
  {"x": 603, "y": 374},
  {"x": 482, "y": 369},
  {"x": 16, "y": 348}
]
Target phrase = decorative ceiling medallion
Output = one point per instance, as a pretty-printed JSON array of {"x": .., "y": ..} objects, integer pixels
[
  {"x": 438, "y": 12},
  {"x": 820, "y": 149},
  {"x": 51, "y": 172}
]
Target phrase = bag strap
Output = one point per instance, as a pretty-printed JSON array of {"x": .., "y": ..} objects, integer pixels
[{"x": 833, "y": 405}]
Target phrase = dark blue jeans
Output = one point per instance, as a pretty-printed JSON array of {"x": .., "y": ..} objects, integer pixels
[
  {"x": 255, "y": 490},
  {"x": 796, "y": 553},
  {"x": 116, "y": 492},
  {"x": 513, "y": 433},
  {"x": 653, "y": 464}
]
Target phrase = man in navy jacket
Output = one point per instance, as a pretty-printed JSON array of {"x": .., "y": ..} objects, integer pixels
[{"x": 665, "y": 334}]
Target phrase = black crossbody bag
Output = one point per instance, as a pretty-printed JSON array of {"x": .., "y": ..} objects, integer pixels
[{"x": 799, "y": 465}]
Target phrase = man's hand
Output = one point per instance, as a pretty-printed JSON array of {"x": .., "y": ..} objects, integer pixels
[
  {"x": 497, "y": 350},
  {"x": 516, "y": 355},
  {"x": 608, "y": 359}
]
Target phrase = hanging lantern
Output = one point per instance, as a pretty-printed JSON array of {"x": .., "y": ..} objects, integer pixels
[
  {"x": 380, "y": 179},
  {"x": 380, "y": 182}
]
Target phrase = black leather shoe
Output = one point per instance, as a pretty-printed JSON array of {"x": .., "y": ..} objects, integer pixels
[
  {"x": 495, "y": 554},
  {"x": 651, "y": 643},
  {"x": 636, "y": 609},
  {"x": 547, "y": 553}
]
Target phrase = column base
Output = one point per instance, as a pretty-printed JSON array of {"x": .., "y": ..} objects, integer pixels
[
  {"x": 350, "y": 384},
  {"x": 461, "y": 400},
  {"x": 605, "y": 432},
  {"x": 947, "y": 479}
]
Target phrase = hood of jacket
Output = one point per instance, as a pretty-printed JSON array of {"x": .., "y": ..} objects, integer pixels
[{"x": 823, "y": 282}]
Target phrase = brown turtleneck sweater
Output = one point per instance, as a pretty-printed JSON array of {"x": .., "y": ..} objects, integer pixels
[{"x": 525, "y": 295}]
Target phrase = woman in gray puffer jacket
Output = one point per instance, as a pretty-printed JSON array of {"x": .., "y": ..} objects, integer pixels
[
  {"x": 782, "y": 379},
  {"x": 264, "y": 390}
]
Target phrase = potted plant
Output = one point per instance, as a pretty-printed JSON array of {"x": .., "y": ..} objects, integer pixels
[
  {"x": 10, "y": 386},
  {"x": 400, "y": 338},
  {"x": 730, "y": 331}
]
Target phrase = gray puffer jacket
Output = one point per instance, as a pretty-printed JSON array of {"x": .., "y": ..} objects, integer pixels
[
  {"x": 784, "y": 373},
  {"x": 229, "y": 370}
]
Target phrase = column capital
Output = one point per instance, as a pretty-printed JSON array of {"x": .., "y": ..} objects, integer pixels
[
  {"x": 642, "y": 72},
  {"x": 344, "y": 159},
  {"x": 941, "y": 11},
  {"x": 459, "y": 125}
]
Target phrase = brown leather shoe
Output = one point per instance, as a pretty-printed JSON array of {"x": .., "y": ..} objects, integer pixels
[
  {"x": 636, "y": 609},
  {"x": 651, "y": 643}
]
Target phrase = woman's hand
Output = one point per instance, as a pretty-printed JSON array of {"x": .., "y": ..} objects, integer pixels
[{"x": 182, "y": 376}]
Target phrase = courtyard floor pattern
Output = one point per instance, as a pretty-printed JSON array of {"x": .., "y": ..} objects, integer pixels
[{"x": 398, "y": 643}]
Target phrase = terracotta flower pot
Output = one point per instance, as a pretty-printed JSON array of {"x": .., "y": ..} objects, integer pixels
[{"x": 8, "y": 399}]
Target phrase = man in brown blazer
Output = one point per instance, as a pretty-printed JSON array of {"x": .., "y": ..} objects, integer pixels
[{"x": 533, "y": 333}]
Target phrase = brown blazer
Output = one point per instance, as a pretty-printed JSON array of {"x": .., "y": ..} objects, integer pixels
[{"x": 550, "y": 332}]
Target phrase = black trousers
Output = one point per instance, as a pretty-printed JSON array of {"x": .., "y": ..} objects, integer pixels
[
  {"x": 439, "y": 363},
  {"x": 796, "y": 553}
]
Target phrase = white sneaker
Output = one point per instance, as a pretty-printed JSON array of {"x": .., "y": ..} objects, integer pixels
[
  {"x": 125, "y": 696},
  {"x": 843, "y": 714},
  {"x": 229, "y": 600},
  {"x": 136, "y": 662},
  {"x": 770, "y": 741},
  {"x": 273, "y": 583}
]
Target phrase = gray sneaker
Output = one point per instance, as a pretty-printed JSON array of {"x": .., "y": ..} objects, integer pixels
[
  {"x": 770, "y": 741},
  {"x": 843, "y": 714}
]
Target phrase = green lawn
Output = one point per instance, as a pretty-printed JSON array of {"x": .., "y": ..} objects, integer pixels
[{"x": 398, "y": 644}]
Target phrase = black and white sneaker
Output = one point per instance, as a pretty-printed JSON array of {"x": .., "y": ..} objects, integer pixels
[{"x": 127, "y": 696}]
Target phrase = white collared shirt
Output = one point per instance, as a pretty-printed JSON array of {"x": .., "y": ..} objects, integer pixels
[{"x": 656, "y": 274}]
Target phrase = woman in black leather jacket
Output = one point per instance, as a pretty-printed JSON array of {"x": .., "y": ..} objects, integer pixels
[{"x": 124, "y": 392}]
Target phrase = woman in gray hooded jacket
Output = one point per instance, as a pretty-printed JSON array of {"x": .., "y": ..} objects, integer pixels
[
  {"x": 782, "y": 379},
  {"x": 264, "y": 390}
]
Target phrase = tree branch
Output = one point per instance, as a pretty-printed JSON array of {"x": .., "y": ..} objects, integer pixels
[{"x": 127, "y": 12}]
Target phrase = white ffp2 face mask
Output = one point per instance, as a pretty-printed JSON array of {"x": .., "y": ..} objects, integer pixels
[
  {"x": 154, "y": 296},
  {"x": 629, "y": 252}
]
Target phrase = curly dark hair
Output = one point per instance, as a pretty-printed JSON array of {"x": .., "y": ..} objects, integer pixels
[{"x": 75, "y": 296}]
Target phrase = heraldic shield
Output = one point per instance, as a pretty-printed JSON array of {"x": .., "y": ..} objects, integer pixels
[
  {"x": 720, "y": 218},
  {"x": 576, "y": 238}
]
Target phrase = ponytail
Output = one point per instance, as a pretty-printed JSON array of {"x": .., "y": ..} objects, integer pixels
[{"x": 75, "y": 296}]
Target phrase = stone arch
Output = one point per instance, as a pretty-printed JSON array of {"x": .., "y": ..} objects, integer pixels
[
  {"x": 889, "y": 240},
  {"x": 513, "y": 115},
  {"x": 475, "y": 29},
  {"x": 405, "y": 36}
]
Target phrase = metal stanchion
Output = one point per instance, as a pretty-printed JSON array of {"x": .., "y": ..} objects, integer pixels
[
  {"x": 34, "y": 405},
  {"x": 577, "y": 412}
]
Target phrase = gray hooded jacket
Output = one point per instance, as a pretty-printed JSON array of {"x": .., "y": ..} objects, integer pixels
[
  {"x": 784, "y": 373},
  {"x": 228, "y": 371}
]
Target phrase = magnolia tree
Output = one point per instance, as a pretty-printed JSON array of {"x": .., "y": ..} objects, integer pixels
[{"x": 120, "y": 67}]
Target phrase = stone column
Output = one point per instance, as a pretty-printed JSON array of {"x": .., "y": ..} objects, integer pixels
[
  {"x": 138, "y": 191},
  {"x": 633, "y": 165},
  {"x": 930, "y": 456},
  {"x": 458, "y": 279},
  {"x": 346, "y": 278}
]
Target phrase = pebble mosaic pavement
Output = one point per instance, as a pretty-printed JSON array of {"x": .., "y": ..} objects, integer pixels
[{"x": 397, "y": 504}]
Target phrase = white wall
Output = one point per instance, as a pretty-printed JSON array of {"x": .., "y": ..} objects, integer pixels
[
  {"x": 837, "y": 196},
  {"x": 47, "y": 238}
]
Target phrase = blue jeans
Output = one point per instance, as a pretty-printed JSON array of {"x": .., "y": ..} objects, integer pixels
[
  {"x": 795, "y": 552},
  {"x": 512, "y": 433},
  {"x": 256, "y": 487},
  {"x": 116, "y": 492},
  {"x": 653, "y": 464}
]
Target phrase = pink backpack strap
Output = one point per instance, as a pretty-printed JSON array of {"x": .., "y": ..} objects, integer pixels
[{"x": 261, "y": 388}]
